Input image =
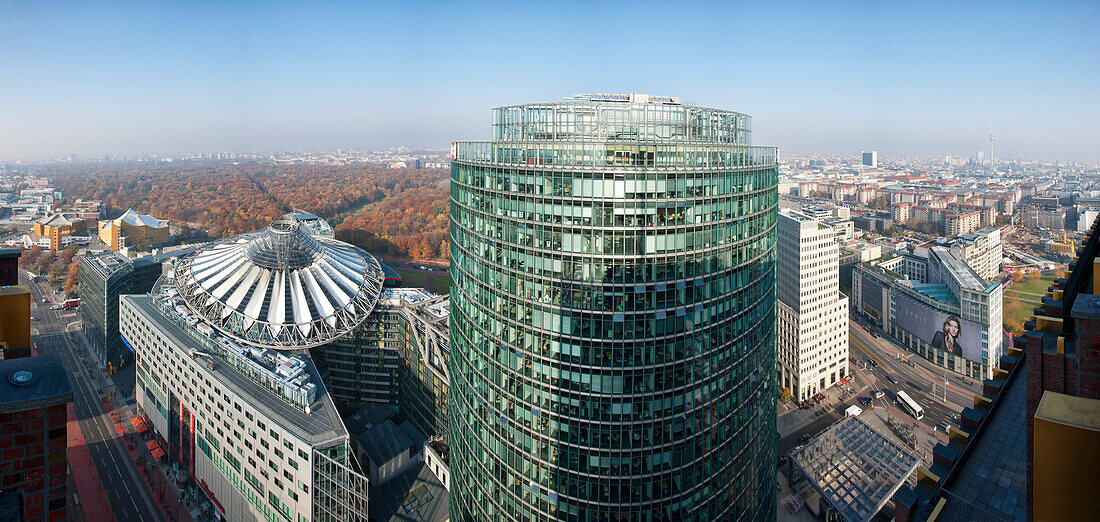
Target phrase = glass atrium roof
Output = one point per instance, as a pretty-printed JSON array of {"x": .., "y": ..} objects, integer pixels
[{"x": 281, "y": 287}]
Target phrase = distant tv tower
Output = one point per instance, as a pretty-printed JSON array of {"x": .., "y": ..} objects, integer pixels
[{"x": 991, "y": 146}]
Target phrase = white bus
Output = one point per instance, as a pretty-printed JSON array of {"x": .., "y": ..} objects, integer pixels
[{"x": 909, "y": 405}]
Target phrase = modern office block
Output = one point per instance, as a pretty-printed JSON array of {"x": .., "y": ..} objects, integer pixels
[
  {"x": 813, "y": 313},
  {"x": 870, "y": 159},
  {"x": 612, "y": 349},
  {"x": 937, "y": 306},
  {"x": 103, "y": 278},
  {"x": 227, "y": 382}
]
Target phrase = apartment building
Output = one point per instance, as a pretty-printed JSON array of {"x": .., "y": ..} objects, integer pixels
[{"x": 813, "y": 314}]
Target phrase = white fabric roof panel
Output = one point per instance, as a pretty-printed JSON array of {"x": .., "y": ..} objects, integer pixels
[{"x": 332, "y": 286}]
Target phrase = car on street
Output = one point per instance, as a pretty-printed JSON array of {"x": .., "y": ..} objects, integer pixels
[
  {"x": 803, "y": 438},
  {"x": 874, "y": 363},
  {"x": 44, "y": 300},
  {"x": 879, "y": 394},
  {"x": 893, "y": 379},
  {"x": 33, "y": 318},
  {"x": 781, "y": 460},
  {"x": 55, "y": 307}
]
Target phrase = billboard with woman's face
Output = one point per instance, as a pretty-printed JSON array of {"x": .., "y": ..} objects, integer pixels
[{"x": 943, "y": 331}]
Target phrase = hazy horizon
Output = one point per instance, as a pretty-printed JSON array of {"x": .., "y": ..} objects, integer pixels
[{"x": 906, "y": 80}]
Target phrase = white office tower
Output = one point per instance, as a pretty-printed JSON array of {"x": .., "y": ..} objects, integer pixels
[
  {"x": 870, "y": 159},
  {"x": 813, "y": 314}
]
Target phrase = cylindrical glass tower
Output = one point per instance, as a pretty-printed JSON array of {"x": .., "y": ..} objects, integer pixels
[{"x": 613, "y": 315}]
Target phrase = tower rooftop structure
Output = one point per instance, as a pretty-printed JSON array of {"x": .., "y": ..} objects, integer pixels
[{"x": 281, "y": 287}]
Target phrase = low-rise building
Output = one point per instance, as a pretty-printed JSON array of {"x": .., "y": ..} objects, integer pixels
[
  {"x": 57, "y": 228},
  {"x": 133, "y": 230}
]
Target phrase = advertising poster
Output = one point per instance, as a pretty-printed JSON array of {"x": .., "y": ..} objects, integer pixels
[{"x": 943, "y": 331}]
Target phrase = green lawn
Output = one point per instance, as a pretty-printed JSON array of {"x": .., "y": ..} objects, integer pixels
[
  {"x": 438, "y": 282},
  {"x": 1019, "y": 306}
]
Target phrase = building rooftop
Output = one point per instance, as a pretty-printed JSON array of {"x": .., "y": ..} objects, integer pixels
[
  {"x": 55, "y": 220},
  {"x": 33, "y": 382},
  {"x": 383, "y": 442},
  {"x": 281, "y": 287},
  {"x": 854, "y": 467},
  {"x": 413, "y": 496},
  {"x": 141, "y": 220},
  {"x": 627, "y": 98},
  {"x": 317, "y": 423},
  {"x": 992, "y": 482}
]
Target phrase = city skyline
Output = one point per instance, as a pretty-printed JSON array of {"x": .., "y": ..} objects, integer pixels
[{"x": 119, "y": 80}]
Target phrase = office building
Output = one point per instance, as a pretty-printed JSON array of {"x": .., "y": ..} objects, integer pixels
[
  {"x": 813, "y": 314},
  {"x": 1086, "y": 217},
  {"x": 9, "y": 266},
  {"x": 613, "y": 314},
  {"x": 133, "y": 230},
  {"x": 937, "y": 306},
  {"x": 982, "y": 250},
  {"x": 34, "y": 397},
  {"x": 103, "y": 278},
  {"x": 396, "y": 357},
  {"x": 870, "y": 159},
  {"x": 225, "y": 376}
]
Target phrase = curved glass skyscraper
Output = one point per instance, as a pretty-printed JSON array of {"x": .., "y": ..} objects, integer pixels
[{"x": 613, "y": 315}]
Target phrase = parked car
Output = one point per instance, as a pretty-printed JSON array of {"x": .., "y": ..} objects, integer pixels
[{"x": 879, "y": 394}]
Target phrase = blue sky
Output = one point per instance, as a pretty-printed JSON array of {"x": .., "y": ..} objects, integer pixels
[{"x": 903, "y": 78}]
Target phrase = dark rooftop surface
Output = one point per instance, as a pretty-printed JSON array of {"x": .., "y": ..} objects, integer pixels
[
  {"x": 992, "y": 484},
  {"x": 321, "y": 424},
  {"x": 368, "y": 417},
  {"x": 33, "y": 382},
  {"x": 413, "y": 496},
  {"x": 383, "y": 442}
]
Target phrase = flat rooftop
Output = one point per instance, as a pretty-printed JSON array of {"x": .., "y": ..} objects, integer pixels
[
  {"x": 992, "y": 484},
  {"x": 33, "y": 382},
  {"x": 321, "y": 424},
  {"x": 854, "y": 467}
]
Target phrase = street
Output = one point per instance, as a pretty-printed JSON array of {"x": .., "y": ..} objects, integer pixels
[
  {"x": 124, "y": 486},
  {"x": 920, "y": 379}
]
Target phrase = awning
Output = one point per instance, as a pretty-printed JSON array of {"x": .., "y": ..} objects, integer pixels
[
  {"x": 152, "y": 445},
  {"x": 142, "y": 428},
  {"x": 158, "y": 453},
  {"x": 136, "y": 420}
]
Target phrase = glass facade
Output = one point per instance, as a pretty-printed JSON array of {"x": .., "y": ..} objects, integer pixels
[{"x": 612, "y": 322}]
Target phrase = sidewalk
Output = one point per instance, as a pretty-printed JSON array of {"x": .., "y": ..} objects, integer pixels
[{"x": 93, "y": 499}]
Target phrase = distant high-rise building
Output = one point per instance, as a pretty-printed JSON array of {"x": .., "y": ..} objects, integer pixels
[
  {"x": 813, "y": 314},
  {"x": 612, "y": 319},
  {"x": 870, "y": 159}
]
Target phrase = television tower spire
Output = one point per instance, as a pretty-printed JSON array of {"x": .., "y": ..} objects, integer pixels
[{"x": 991, "y": 169}]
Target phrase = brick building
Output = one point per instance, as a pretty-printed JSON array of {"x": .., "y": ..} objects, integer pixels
[
  {"x": 34, "y": 397},
  {"x": 1062, "y": 345}
]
